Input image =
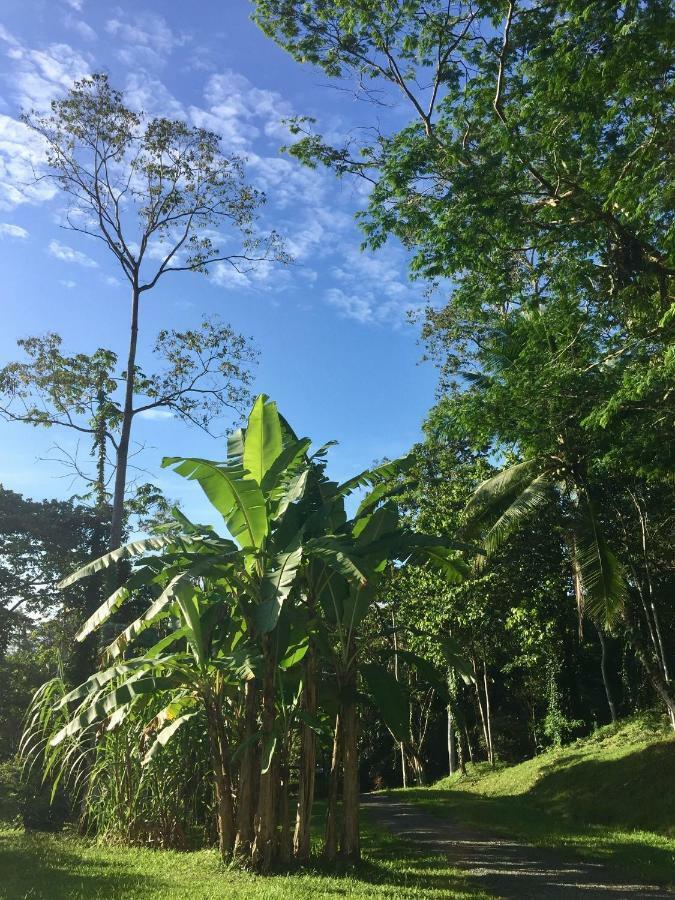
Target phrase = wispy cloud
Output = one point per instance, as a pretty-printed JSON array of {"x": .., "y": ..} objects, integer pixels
[
  {"x": 13, "y": 231},
  {"x": 40, "y": 74},
  {"x": 70, "y": 255},
  {"x": 67, "y": 283},
  {"x": 81, "y": 27},
  {"x": 21, "y": 152},
  {"x": 146, "y": 38},
  {"x": 156, "y": 415}
]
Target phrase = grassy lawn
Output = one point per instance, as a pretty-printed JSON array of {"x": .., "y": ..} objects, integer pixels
[
  {"x": 50, "y": 867},
  {"x": 610, "y": 796}
]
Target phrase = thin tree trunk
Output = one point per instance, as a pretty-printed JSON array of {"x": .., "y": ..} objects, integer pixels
[
  {"x": 301, "y": 838},
  {"x": 331, "y": 835},
  {"x": 654, "y": 674},
  {"x": 404, "y": 772},
  {"x": 350, "y": 847},
  {"x": 480, "y": 709},
  {"x": 468, "y": 743},
  {"x": 122, "y": 455},
  {"x": 488, "y": 715},
  {"x": 605, "y": 678},
  {"x": 263, "y": 852},
  {"x": 462, "y": 754},
  {"x": 650, "y": 589},
  {"x": 246, "y": 795},
  {"x": 452, "y": 748},
  {"x": 418, "y": 766}
]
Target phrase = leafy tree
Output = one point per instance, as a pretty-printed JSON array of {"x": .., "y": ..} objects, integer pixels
[
  {"x": 203, "y": 378},
  {"x": 39, "y": 541},
  {"x": 152, "y": 191}
]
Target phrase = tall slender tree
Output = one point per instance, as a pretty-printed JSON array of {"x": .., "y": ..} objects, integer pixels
[{"x": 151, "y": 191}]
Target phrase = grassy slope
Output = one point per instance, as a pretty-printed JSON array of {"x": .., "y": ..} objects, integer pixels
[
  {"x": 610, "y": 796},
  {"x": 51, "y": 867}
]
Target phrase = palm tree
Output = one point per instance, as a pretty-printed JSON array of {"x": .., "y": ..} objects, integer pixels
[{"x": 501, "y": 504}]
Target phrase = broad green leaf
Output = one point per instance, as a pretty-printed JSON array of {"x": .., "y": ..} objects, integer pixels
[
  {"x": 275, "y": 588},
  {"x": 165, "y": 735},
  {"x": 155, "y": 611},
  {"x": 135, "y": 548},
  {"x": 235, "y": 495},
  {"x": 263, "y": 439},
  {"x": 389, "y": 697},
  {"x": 114, "y": 602},
  {"x": 339, "y": 556},
  {"x": 188, "y": 604},
  {"x": 105, "y": 707}
]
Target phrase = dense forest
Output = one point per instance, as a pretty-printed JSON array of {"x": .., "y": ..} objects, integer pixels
[{"x": 504, "y": 588}]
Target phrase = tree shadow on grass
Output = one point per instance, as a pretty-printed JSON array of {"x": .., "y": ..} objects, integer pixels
[{"x": 46, "y": 867}]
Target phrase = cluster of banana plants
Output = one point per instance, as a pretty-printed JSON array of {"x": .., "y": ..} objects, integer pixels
[{"x": 257, "y": 636}]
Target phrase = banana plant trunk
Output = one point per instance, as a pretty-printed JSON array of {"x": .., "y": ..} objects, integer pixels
[
  {"x": 220, "y": 760},
  {"x": 350, "y": 846},
  {"x": 331, "y": 835},
  {"x": 301, "y": 838},
  {"x": 263, "y": 854},
  {"x": 247, "y": 775}
]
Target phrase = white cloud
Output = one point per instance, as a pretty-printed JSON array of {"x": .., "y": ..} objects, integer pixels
[
  {"x": 21, "y": 152},
  {"x": 67, "y": 283},
  {"x": 75, "y": 4},
  {"x": 39, "y": 75},
  {"x": 239, "y": 110},
  {"x": 147, "y": 94},
  {"x": 69, "y": 255},
  {"x": 81, "y": 27},
  {"x": 373, "y": 288},
  {"x": 13, "y": 231},
  {"x": 146, "y": 38},
  {"x": 156, "y": 415}
]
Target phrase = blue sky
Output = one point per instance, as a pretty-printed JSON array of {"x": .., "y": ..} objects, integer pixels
[{"x": 336, "y": 350}]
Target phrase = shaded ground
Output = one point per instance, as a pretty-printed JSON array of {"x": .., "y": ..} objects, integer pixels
[{"x": 502, "y": 867}]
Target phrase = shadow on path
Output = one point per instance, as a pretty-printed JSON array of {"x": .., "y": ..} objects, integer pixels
[{"x": 503, "y": 867}]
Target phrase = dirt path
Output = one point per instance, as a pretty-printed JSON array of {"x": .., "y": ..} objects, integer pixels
[{"x": 505, "y": 868}]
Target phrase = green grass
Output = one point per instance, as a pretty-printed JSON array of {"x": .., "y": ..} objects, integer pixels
[
  {"x": 610, "y": 796},
  {"x": 50, "y": 867}
]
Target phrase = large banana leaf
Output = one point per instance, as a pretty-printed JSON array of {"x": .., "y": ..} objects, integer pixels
[
  {"x": 153, "y": 613},
  {"x": 114, "y": 602},
  {"x": 235, "y": 495},
  {"x": 135, "y": 548},
  {"x": 263, "y": 438},
  {"x": 340, "y": 556},
  {"x": 165, "y": 735},
  {"x": 390, "y": 698},
  {"x": 275, "y": 588},
  {"x": 112, "y": 701}
]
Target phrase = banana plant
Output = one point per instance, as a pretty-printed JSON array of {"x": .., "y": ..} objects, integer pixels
[{"x": 240, "y": 624}]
